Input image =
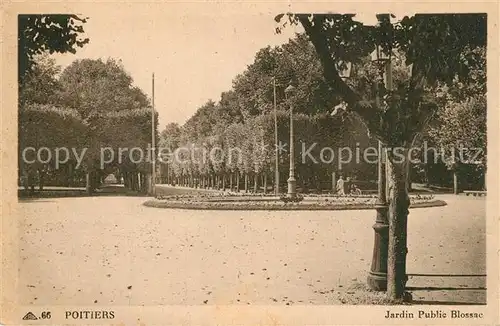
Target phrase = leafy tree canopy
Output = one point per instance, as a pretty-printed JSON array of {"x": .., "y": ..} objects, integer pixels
[
  {"x": 40, "y": 84},
  {"x": 47, "y": 33},
  {"x": 95, "y": 85},
  {"x": 433, "y": 44}
]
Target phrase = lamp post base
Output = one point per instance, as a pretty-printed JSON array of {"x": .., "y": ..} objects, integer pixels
[
  {"x": 377, "y": 278},
  {"x": 292, "y": 188},
  {"x": 377, "y": 281}
]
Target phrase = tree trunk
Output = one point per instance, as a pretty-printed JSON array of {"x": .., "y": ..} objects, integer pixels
[
  {"x": 148, "y": 184},
  {"x": 255, "y": 183},
  {"x": 455, "y": 182},
  {"x": 408, "y": 176},
  {"x": 224, "y": 182},
  {"x": 265, "y": 183},
  {"x": 41, "y": 177},
  {"x": 238, "y": 181},
  {"x": 125, "y": 181},
  {"x": 246, "y": 182},
  {"x": 88, "y": 183},
  {"x": 145, "y": 178},
  {"x": 231, "y": 182},
  {"x": 426, "y": 174},
  {"x": 334, "y": 182},
  {"x": 484, "y": 180},
  {"x": 399, "y": 203},
  {"x": 69, "y": 179}
]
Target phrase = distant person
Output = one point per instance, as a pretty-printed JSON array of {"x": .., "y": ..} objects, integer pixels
[
  {"x": 355, "y": 190},
  {"x": 340, "y": 186}
]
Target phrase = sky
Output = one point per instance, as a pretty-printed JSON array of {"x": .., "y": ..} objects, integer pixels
[{"x": 194, "y": 57}]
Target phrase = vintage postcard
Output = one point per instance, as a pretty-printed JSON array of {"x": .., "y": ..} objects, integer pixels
[{"x": 249, "y": 163}]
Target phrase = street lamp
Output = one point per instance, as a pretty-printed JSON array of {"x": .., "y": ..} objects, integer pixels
[
  {"x": 153, "y": 159},
  {"x": 292, "y": 183},
  {"x": 344, "y": 69},
  {"x": 276, "y": 153},
  {"x": 377, "y": 277}
]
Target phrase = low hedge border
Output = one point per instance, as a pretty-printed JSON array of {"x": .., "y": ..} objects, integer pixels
[
  {"x": 220, "y": 197},
  {"x": 277, "y": 206}
]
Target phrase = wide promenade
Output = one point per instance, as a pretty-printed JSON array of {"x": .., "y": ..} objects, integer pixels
[{"x": 112, "y": 250}]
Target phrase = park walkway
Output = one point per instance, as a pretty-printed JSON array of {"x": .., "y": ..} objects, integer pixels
[{"x": 112, "y": 250}]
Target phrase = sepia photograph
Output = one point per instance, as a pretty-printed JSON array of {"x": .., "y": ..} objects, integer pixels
[{"x": 210, "y": 155}]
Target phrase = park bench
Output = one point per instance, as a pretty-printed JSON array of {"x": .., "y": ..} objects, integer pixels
[{"x": 474, "y": 193}]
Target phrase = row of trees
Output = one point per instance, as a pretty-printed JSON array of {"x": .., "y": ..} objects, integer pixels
[
  {"x": 243, "y": 121},
  {"x": 246, "y": 150},
  {"x": 89, "y": 106}
]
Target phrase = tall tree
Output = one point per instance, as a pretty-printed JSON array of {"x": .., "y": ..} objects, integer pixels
[
  {"x": 93, "y": 86},
  {"x": 434, "y": 46},
  {"x": 169, "y": 137},
  {"x": 463, "y": 110},
  {"x": 202, "y": 123}
]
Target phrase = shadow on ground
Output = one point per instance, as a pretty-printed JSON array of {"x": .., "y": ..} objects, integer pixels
[{"x": 447, "y": 289}]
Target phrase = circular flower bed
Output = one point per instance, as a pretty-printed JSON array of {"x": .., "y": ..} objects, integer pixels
[{"x": 225, "y": 202}]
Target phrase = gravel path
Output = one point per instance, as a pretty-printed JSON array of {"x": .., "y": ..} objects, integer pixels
[{"x": 113, "y": 250}]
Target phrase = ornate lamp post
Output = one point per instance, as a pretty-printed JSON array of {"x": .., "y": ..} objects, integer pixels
[
  {"x": 344, "y": 70},
  {"x": 292, "y": 182},
  {"x": 377, "y": 277}
]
